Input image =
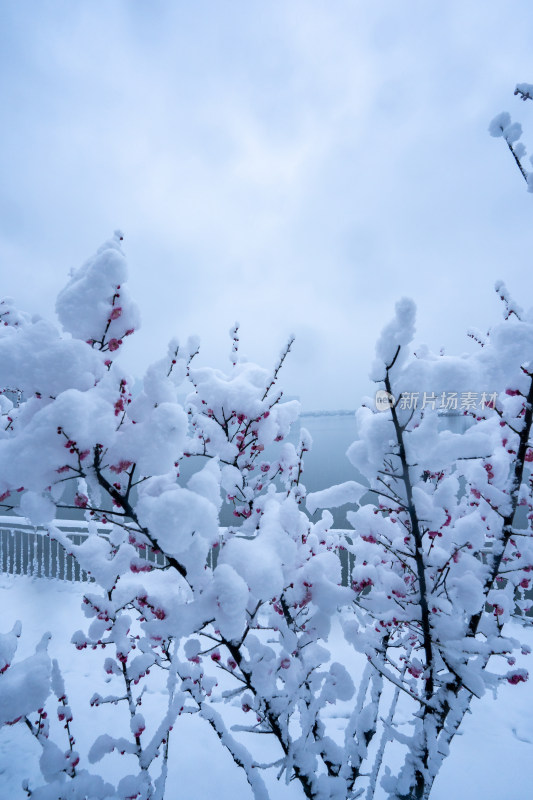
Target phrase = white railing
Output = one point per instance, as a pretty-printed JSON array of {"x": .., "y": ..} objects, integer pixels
[
  {"x": 26, "y": 550},
  {"x": 29, "y": 550}
]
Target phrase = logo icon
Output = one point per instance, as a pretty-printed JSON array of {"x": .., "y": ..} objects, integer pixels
[{"x": 384, "y": 400}]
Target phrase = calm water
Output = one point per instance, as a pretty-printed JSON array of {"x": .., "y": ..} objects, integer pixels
[{"x": 325, "y": 464}]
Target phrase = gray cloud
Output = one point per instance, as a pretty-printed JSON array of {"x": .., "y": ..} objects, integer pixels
[{"x": 296, "y": 166}]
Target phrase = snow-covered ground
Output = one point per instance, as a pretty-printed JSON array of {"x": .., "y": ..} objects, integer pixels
[{"x": 491, "y": 760}]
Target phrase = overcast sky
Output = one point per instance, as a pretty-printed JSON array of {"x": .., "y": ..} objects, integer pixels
[{"x": 294, "y": 165}]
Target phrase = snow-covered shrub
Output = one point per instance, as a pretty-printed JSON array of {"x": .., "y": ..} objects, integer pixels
[
  {"x": 444, "y": 559},
  {"x": 81, "y": 440}
]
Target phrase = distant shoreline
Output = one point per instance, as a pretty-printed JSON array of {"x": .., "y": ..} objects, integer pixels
[{"x": 339, "y": 413}]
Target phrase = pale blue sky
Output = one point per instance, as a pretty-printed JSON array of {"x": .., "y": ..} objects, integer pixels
[{"x": 295, "y": 165}]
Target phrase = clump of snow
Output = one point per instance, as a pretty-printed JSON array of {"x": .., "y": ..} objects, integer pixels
[
  {"x": 397, "y": 334},
  {"x": 499, "y": 124},
  {"x": 335, "y": 496},
  {"x": 176, "y": 516},
  {"x": 36, "y": 359},
  {"x": 37, "y": 508},
  {"x": 24, "y": 685},
  {"x": 231, "y": 594},
  {"x": 94, "y": 306}
]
